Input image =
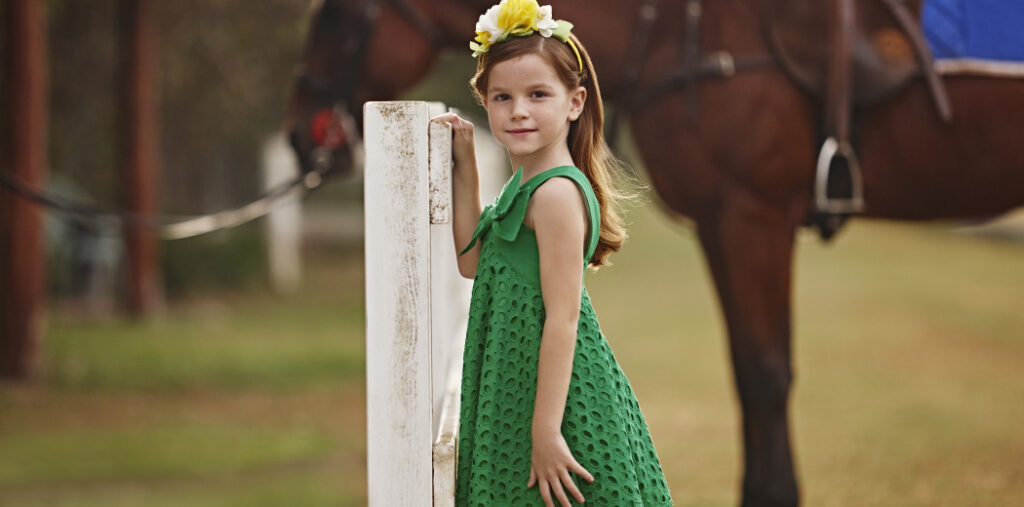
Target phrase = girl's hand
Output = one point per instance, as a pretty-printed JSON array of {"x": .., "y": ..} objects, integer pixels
[
  {"x": 463, "y": 148},
  {"x": 550, "y": 464}
]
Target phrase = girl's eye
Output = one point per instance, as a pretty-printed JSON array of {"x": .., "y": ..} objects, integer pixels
[
  {"x": 501, "y": 97},
  {"x": 538, "y": 94}
]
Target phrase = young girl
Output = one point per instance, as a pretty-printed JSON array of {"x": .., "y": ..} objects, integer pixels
[{"x": 544, "y": 402}]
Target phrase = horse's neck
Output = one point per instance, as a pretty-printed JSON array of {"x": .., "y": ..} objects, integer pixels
[
  {"x": 607, "y": 28},
  {"x": 455, "y": 19}
]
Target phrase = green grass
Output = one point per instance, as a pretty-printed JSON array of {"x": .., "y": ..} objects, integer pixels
[
  {"x": 170, "y": 448},
  {"x": 226, "y": 399},
  {"x": 241, "y": 351},
  {"x": 252, "y": 340},
  {"x": 908, "y": 347}
]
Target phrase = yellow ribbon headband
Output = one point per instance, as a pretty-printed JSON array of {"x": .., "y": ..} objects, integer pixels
[{"x": 518, "y": 18}]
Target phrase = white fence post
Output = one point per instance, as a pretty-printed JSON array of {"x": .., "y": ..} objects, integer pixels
[
  {"x": 416, "y": 307},
  {"x": 284, "y": 223}
]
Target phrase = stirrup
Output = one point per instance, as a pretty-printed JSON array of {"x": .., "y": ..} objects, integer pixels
[{"x": 831, "y": 151}]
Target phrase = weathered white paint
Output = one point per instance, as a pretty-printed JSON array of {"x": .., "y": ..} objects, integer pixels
[
  {"x": 284, "y": 223},
  {"x": 440, "y": 170},
  {"x": 449, "y": 292},
  {"x": 447, "y": 436},
  {"x": 414, "y": 377},
  {"x": 398, "y": 383},
  {"x": 414, "y": 343}
]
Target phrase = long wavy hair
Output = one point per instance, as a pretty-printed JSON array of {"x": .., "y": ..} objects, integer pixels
[{"x": 586, "y": 140}]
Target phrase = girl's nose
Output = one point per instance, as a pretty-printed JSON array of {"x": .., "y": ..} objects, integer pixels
[{"x": 519, "y": 109}]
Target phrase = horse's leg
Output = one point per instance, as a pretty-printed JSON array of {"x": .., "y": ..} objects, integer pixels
[{"x": 749, "y": 247}]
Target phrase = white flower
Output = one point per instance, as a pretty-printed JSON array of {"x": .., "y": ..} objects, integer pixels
[
  {"x": 489, "y": 23},
  {"x": 546, "y": 24}
]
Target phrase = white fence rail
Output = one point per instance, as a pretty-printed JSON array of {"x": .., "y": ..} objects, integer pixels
[{"x": 416, "y": 307}]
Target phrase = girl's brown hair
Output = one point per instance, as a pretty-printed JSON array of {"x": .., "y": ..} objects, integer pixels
[{"x": 586, "y": 141}]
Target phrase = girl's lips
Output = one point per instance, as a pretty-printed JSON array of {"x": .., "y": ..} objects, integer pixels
[{"x": 520, "y": 132}]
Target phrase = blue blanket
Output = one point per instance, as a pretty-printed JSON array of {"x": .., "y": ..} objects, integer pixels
[{"x": 982, "y": 29}]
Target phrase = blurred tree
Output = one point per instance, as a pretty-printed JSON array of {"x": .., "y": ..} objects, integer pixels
[
  {"x": 139, "y": 146},
  {"x": 225, "y": 67},
  {"x": 21, "y": 270}
]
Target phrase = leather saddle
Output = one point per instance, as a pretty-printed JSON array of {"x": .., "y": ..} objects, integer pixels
[
  {"x": 882, "y": 54},
  {"x": 849, "y": 53}
]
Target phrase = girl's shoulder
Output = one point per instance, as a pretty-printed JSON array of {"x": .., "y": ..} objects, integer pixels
[
  {"x": 555, "y": 200},
  {"x": 556, "y": 193},
  {"x": 567, "y": 171},
  {"x": 558, "y": 184}
]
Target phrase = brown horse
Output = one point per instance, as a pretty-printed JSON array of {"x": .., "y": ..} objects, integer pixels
[{"x": 735, "y": 153}]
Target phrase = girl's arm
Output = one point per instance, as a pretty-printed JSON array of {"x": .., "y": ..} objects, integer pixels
[
  {"x": 465, "y": 190},
  {"x": 555, "y": 211}
]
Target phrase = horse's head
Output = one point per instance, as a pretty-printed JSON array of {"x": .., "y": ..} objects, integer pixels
[
  {"x": 322, "y": 119},
  {"x": 360, "y": 50}
]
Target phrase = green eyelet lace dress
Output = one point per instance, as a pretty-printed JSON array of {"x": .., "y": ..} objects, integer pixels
[{"x": 602, "y": 423}]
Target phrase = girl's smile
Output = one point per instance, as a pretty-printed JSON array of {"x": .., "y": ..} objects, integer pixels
[{"x": 521, "y": 132}]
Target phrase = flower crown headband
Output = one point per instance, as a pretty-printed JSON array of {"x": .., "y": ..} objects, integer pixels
[{"x": 518, "y": 18}]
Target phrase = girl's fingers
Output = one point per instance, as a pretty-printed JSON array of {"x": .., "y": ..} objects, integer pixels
[
  {"x": 571, "y": 486},
  {"x": 448, "y": 117},
  {"x": 545, "y": 493},
  {"x": 556, "y": 486},
  {"x": 580, "y": 471},
  {"x": 533, "y": 478},
  {"x": 457, "y": 121}
]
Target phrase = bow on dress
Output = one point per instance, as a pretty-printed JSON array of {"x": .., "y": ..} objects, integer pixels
[{"x": 505, "y": 216}]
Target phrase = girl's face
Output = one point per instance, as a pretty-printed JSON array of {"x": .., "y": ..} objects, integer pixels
[{"x": 529, "y": 108}]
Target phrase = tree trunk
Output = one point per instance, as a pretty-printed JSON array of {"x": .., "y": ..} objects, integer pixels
[
  {"x": 23, "y": 268},
  {"x": 140, "y": 163}
]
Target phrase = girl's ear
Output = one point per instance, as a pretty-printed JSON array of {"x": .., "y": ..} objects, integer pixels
[{"x": 576, "y": 103}]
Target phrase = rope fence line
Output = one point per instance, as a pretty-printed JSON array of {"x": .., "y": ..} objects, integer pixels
[{"x": 170, "y": 227}]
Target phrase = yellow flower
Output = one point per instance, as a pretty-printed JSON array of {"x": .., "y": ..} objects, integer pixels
[
  {"x": 514, "y": 18},
  {"x": 518, "y": 17}
]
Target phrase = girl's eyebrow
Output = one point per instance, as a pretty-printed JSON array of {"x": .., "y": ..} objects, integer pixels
[{"x": 534, "y": 86}]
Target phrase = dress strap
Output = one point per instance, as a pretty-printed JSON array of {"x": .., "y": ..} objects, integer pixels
[{"x": 593, "y": 210}]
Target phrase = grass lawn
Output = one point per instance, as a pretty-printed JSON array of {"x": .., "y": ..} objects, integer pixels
[{"x": 908, "y": 350}]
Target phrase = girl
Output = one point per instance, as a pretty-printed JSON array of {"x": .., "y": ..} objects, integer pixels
[{"x": 544, "y": 402}]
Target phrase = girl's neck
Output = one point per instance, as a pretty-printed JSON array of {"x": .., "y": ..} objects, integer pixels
[{"x": 533, "y": 166}]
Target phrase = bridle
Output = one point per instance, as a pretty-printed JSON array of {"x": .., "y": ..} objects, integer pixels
[{"x": 333, "y": 126}]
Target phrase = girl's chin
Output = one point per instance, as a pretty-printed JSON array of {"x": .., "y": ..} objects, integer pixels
[{"x": 516, "y": 145}]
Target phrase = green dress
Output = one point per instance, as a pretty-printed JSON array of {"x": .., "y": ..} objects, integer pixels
[{"x": 602, "y": 423}]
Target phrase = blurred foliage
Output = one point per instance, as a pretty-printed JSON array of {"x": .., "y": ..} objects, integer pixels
[
  {"x": 228, "y": 258},
  {"x": 224, "y": 68}
]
